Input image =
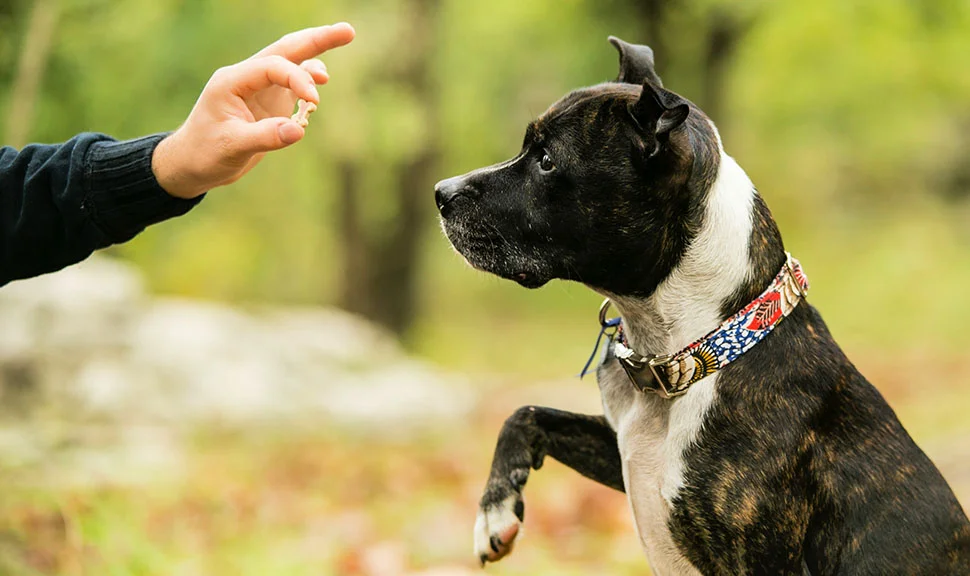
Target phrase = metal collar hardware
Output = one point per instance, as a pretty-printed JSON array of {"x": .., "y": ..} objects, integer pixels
[{"x": 671, "y": 375}]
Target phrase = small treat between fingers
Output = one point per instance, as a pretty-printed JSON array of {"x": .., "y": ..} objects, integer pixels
[{"x": 302, "y": 116}]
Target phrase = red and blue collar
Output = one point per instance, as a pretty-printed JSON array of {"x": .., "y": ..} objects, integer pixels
[{"x": 670, "y": 375}]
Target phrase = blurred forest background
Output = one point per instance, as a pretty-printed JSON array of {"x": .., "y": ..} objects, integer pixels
[{"x": 851, "y": 116}]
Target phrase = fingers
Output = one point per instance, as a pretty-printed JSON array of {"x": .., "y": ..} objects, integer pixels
[
  {"x": 310, "y": 42},
  {"x": 317, "y": 69},
  {"x": 265, "y": 136},
  {"x": 256, "y": 74}
]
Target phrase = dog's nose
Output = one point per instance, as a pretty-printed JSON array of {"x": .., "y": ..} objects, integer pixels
[{"x": 447, "y": 190}]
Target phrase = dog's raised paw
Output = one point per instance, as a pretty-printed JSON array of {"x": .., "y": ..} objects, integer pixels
[{"x": 496, "y": 528}]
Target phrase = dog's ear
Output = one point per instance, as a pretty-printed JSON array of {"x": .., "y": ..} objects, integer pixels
[
  {"x": 656, "y": 113},
  {"x": 636, "y": 63}
]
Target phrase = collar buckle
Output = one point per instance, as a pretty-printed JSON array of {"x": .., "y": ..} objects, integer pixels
[
  {"x": 639, "y": 371},
  {"x": 663, "y": 389}
]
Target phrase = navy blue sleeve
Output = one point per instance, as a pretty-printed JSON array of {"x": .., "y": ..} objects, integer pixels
[{"x": 59, "y": 203}]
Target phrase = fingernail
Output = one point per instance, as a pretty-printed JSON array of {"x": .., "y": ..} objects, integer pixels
[{"x": 313, "y": 89}]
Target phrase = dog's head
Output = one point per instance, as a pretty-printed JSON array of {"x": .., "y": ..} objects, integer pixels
[{"x": 606, "y": 190}]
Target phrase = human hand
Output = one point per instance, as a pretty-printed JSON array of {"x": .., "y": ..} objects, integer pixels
[{"x": 244, "y": 111}]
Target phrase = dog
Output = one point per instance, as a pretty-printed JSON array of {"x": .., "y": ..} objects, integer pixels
[{"x": 747, "y": 448}]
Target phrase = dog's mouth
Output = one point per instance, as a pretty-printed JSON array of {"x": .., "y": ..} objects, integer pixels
[
  {"x": 493, "y": 254},
  {"x": 527, "y": 279}
]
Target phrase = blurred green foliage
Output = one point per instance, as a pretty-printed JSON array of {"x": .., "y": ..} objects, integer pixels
[{"x": 851, "y": 116}]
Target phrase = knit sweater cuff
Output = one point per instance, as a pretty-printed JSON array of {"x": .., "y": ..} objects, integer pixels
[{"x": 122, "y": 195}]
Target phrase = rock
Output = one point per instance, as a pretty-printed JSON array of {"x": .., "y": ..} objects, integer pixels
[
  {"x": 86, "y": 346},
  {"x": 74, "y": 311}
]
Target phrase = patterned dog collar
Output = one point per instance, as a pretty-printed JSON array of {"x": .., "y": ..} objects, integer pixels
[{"x": 671, "y": 375}]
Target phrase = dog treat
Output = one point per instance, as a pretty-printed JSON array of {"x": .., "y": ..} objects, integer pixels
[{"x": 302, "y": 115}]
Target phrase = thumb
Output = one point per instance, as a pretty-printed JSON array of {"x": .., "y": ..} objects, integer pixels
[{"x": 268, "y": 135}]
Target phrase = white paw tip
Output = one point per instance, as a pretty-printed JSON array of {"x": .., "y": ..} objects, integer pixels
[{"x": 496, "y": 529}]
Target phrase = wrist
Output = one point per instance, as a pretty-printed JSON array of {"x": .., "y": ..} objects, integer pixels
[
  {"x": 122, "y": 195},
  {"x": 173, "y": 171}
]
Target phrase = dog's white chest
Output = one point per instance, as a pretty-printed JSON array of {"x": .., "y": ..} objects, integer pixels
[{"x": 652, "y": 437}]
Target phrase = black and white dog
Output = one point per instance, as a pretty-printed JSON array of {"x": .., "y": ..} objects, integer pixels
[{"x": 775, "y": 456}]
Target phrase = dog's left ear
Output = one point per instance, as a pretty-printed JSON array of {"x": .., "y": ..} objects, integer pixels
[
  {"x": 656, "y": 113},
  {"x": 636, "y": 63}
]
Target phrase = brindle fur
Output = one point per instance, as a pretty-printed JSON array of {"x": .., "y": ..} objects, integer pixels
[
  {"x": 586, "y": 444},
  {"x": 803, "y": 461},
  {"x": 801, "y": 466}
]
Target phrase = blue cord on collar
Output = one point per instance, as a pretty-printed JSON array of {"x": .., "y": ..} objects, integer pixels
[{"x": 611, "y": 323}]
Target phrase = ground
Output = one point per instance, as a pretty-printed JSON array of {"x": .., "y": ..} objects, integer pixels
[{"x": 342, "y": 502}]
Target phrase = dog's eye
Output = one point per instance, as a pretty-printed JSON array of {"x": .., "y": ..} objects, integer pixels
[{"x": 546, "y": 164}]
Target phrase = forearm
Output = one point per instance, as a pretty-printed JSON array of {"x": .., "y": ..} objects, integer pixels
[
  {"x": 59, "y": 203},
  {"x": 584, "y": 443}
]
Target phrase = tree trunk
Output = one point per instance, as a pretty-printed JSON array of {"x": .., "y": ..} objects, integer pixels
[
  {"x": 354, "y": 295},
  {"x": 651, "y": 15},
  {"x": 30, "y": 70},
  {"x": 380, "y": 270},
  {"x": 724, "y": 35},
  {"x": 723, "y": 28}
]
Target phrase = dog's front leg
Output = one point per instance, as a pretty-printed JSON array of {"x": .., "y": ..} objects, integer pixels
[{"x": 586, "y": 444}]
